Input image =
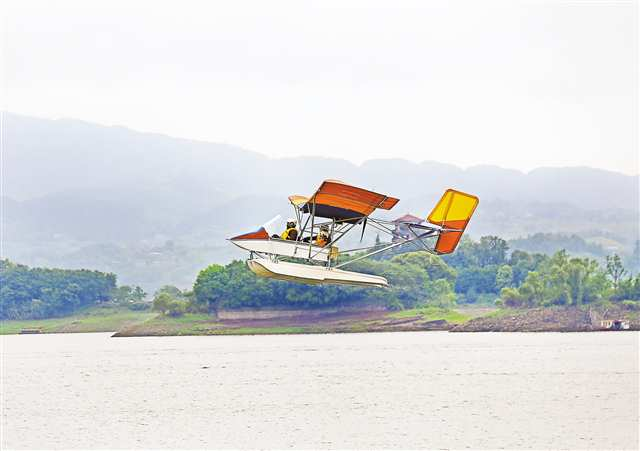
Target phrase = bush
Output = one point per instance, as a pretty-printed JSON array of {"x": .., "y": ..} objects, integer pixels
[
  {"x": 510, "y": 297},
  {"x": 138, "y": 306},
  {"x": 167, "y": 305},
  {"x": 162, "y": 302},
  {"x": 440, "y": 294},
  {"x": 177, "y": 308},
  {"x": 394, "y": 304},
  {"x": 631, "y": 305}
]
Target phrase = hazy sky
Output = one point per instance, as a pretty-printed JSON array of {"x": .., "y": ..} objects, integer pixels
[{"x": 519, "y": 84}]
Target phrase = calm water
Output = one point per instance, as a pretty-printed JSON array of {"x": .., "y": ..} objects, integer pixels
[{"x": 389, "y": 390}]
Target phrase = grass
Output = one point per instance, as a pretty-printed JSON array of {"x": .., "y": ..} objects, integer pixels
[
  {"x": 502, "y": 312},
  {"x": 94, "y": 319},
  {"x": 187, "y": 324},
  {"x": 259, "y": 331},
  {"x": 132, "y": 323},
  {"x": 203, "y": 324},
  {"x": 187, "y": 318},
  {"x": 433, "y": 314}
]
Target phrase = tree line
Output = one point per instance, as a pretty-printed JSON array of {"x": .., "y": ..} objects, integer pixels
[
  {"x": 33, "y": 293},
  {"x": 479, "y": 272},
  {"x": 482, "y": 272}
]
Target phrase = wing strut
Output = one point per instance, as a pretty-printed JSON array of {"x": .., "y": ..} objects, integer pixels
[{"x": 391, "y": 246}]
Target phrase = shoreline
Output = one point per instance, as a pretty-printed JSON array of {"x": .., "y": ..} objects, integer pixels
[
  {"x": 313, "y": 323},
  {"x": 552, "y": 319},
  {"x": 474, "y": 319},
  {"x": 99, "y": 318}
]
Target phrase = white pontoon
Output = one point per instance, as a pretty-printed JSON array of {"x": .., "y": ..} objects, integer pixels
[{"x": 312, "y": 274}]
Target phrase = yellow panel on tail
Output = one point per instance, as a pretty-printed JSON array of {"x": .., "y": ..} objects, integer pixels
[
  {"x": 453, "y": 206},
  {"x": 453, "y": 213}
]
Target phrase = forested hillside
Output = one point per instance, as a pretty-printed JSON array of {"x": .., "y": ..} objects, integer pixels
[
  {"x": 43, "y": 292},
  {"x": 481, "y": 272}
]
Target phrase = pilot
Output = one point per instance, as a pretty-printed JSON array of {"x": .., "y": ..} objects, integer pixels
[
  {"x": 324, "y": 237},
  {"x": 291, "y": 233}
]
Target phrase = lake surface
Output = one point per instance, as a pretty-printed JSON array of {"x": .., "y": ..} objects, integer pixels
[{"x": 385, "y": 390}]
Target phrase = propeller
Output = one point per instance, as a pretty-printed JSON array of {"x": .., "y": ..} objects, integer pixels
[{"x": 364, "y": 225}]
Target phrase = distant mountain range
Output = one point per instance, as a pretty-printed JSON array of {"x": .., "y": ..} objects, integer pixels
[{"x": 81, "y": 194}]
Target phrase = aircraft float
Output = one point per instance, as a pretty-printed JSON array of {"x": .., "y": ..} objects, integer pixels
[{"x": 340, "y": 208}]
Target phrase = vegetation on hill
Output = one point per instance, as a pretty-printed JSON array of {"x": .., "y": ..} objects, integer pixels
[
  {"x": 562, "y": 280},
  {"x": 35, "y": 293},
  {"x": 549, "y": 243},
  {"x": 479, "y": 272},
  {"x": 42, "y": 292},
  {"x": 416, "y": 279}
]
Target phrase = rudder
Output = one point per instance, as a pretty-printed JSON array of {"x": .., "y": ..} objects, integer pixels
[{"x": 452, "y": 213}]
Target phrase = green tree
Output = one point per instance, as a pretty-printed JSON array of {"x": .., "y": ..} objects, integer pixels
[
  {"x": 440, "y": 294},
  {"x": 615, "y": 269},
  {"x": 577, "y": 274},
  {"x": 465, "y": 255},
  {"x": 174, "y": 292},
  {"x": 492, "y": 250},
  {"x": 480, "y": 279},
  {"x": 533, "y": 290},
  {"x": 162, "y": 302},
  {"x": 511, "y": 297},
  {"x": 210, "y": 287},
  {"x": 434, "y": 266},
  {"x": 177, "y": 307},
  {"x": 522, "y": 263},
  {"x": 31, "y": 293},
  {"x": 138, "y": 294},
  {"x": 504, "y": 277},
  {"x": 587, "y": 281},
  {"x": 126, "y": 294},
  {"x": 628, "y": 289},
  {"x": 561, "y": 280}
]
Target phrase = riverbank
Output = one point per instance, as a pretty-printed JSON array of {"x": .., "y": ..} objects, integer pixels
[
  {"x": 312, "y": 323},
  {"x": 95, "y": 319},
  {"x": 551, "y": 319},
  {"x": 127, "y": 323}
]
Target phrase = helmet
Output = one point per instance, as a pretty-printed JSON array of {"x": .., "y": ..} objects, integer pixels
[
  {"x": 291, "y": 223},
  {"x": 324, "y": 228}
]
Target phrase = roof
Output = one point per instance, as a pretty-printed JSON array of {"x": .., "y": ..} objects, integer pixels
[
  {"x": 409, "y": 218},
  {"x": 337, "y": 200}
]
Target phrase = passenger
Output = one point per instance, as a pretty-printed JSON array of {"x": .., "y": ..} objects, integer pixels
[
  {"x": 324, "y": 237},
  {"x": 291, "y": 233}
]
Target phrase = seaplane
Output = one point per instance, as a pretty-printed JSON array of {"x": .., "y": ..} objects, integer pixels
[{"x": 335, "y": 210}]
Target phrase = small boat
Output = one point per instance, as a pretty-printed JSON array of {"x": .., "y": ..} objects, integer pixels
[
  {"x": 31, "y": 330},
  {"x": 312, "y": 274},
  {"x": 614, "y": 324}
]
